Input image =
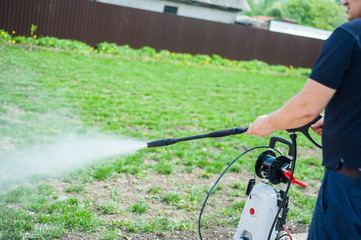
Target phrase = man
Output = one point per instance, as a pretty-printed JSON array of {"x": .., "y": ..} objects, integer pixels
[{"x": 334, "y": 85}]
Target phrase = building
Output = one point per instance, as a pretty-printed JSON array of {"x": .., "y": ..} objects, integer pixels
[
  {"x": 298, "y": 30},
  {"x": 261, "y": 22},
  {"x": 286, "y": 26},
  {"x": 224, "y": 11}
]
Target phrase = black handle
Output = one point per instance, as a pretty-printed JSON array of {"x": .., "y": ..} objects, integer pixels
[
  {"x": 215, "y": 134},
  {"x": 273, "y": 140},
  {"x": 305, "y": 131},
  {"x": 226, "y": 132}
]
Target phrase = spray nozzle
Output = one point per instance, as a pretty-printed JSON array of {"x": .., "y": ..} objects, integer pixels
[
  {"x": 215, "y": 134},
  {"x": 161, "y": 142}
]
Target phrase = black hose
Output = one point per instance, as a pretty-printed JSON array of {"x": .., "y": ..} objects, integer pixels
[
  {"x": 215, "y": 184},
  {"x": 294, "y": 143}
]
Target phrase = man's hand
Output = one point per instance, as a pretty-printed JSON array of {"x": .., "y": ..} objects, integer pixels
[
  {"x": 317, "y": 126},
  {"x": 298, "y": 111},
  {"x": 260, "y": 127}
]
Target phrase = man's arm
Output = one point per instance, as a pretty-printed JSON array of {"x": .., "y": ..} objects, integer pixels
[{"x": 298, "y": 111}]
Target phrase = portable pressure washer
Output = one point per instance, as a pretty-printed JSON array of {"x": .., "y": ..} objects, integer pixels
[{"x": 266, "y": 209}]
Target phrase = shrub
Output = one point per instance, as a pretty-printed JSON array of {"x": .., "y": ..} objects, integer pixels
[
  {"x": 21, "y": 39},
  {"x": 112, "y": 48},
  {"x": 5, "y": 36},
  {"x": 149, "y": 52}
]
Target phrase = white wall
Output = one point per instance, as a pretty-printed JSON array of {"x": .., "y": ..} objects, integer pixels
[{"x": 185, "y": 10}]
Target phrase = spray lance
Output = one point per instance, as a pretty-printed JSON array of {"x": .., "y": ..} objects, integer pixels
[
  {"x": 215, "y": 134},
  {"x": 228, "y": 132},
  {"x": 275, "y": 169}
]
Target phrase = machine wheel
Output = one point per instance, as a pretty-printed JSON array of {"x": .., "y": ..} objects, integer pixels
[{"x": 283, "y": 235}]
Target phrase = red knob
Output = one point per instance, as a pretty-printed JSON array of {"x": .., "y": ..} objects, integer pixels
[{"x": 294, "y": 180}]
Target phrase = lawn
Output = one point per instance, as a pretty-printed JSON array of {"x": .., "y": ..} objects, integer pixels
[{"x": 49, "y": 93}]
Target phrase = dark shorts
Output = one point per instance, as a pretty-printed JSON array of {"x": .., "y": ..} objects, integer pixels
[{"x": 337, "y": 214}]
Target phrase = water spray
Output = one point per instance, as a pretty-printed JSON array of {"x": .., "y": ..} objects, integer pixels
[{"x": 68, "y": 153}]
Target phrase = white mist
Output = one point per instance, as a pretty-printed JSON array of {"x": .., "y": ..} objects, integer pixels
[{"x": 67, "y": 154}]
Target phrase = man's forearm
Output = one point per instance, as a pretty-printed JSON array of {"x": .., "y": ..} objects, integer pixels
[{"x": 298, "y": 111}]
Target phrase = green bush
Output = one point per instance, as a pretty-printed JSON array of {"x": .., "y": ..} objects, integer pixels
[
  {"x": 5, "y": 36},
  {"x": 201, "y": 58},
  {"x": 21, "y": 39},
  {"x": 112, "y": 48},
  {"x": 65, "y": 44},
  {"x": 26, "y": 40},
  {"x": 53, "y": 43},
  {"x": 48, "y": 41},
  {"x": 149, "y": 52}
]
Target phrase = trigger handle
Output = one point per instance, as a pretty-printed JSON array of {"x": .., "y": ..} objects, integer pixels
[{"x": 304, "y": 130}]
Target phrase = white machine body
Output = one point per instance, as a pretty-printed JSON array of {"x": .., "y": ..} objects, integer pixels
[{"x": 258, "y": 214}]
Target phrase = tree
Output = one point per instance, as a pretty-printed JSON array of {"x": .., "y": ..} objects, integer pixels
[
  {"x": 322, "y": 14},
  {"x": 261, "y": 7}
]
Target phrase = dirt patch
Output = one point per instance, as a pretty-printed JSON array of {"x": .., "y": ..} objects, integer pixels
[{"x": 124, "y": 190}]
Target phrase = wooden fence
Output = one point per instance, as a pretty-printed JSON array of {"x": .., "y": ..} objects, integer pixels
[{"x": 94, "y": 22}]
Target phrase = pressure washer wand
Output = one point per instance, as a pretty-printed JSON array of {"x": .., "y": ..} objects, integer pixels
[{"x": 215, "y": 134}]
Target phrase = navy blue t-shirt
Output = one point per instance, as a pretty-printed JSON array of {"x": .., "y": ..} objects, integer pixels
[{"x": 339, "y": 67}]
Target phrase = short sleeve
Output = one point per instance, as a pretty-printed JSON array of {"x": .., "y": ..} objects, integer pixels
[{"x": 335, "y": 59}]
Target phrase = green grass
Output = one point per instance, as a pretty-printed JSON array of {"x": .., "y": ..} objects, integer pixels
[
  {"x": 14, "y": 222},
  {"x": 57, "y": 215},
  {"x": 160, "y": 224},
  {"x": 108, "y": 208},
  {"x": 75, "y": 188},
  {"x": 47, "y": 93},
  {"x": 171, "y": 198},
  {"x": 139, "y": 207},
  {"x": 155, "y": 190}
]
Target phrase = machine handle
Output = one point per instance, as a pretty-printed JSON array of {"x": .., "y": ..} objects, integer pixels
[
  {"x": 305, "y": 131},
  {"x": 273, "y": 140}
]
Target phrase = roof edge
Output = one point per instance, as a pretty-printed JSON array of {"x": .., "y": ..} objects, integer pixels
[{"x": 197, "y": 3}]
